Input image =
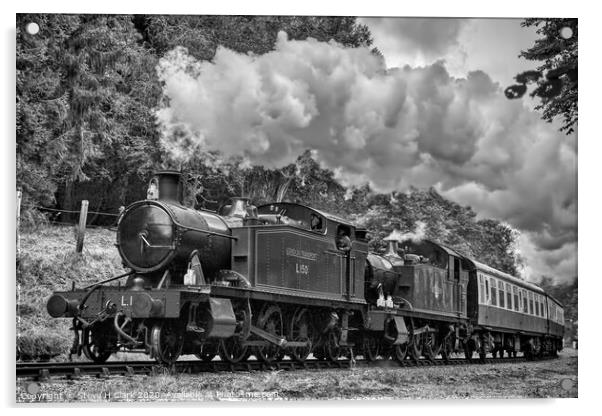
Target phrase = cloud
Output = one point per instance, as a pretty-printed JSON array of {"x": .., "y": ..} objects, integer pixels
[
  {"x": 425, "y": 39},
  {"x": 392, "y": 128}
]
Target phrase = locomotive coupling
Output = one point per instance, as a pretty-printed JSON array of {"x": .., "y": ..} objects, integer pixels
[{"x": 58, "y": 306}]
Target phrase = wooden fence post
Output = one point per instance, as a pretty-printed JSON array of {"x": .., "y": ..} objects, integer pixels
[
  {"x": 81, "y": 231},
  {"x": 19, "y": 194}
]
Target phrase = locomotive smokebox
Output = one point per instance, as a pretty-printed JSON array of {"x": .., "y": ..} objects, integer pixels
[{"x": 166, "y": 185}]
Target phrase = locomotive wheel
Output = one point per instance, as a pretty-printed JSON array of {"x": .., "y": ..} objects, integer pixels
[
  {"x": 416, "y": 346},
  {"x": 431, "y": 345},
  {"x": 166, "y": 342},
  {"x": 95, "y": 347},
  {"x": 371, "y": 347},
  {"x": 231, "y": 350},
  {"x": 400, "y": 352},
  {"x": 332, "y": 349},
  {"x": 301, "y": 330},
  {"x": 270, "y": 320},
  {"x": 469, "y": 349},
  {"x": 207, "y": 352},
  {"x": 447, "y": 348}
]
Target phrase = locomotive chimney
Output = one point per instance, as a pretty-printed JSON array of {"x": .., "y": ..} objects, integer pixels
[
  {"x": 166, "y": 185},
  {"x": 391, "y": 253}
]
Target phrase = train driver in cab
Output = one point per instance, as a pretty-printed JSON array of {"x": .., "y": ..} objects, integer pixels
[
  {"x": 316, "y": 222},
  {"x": 343, "y": 241}
]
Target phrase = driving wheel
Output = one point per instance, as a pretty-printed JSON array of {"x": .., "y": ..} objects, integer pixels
[
  {"x": 270, "y": 320},
  {"x": 166, "y": 342},
  {"x": 95, "y": 346}
]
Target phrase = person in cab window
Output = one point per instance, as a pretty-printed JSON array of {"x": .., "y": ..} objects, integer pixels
[
  {"x": 343, "y": 240},
  {"x": 316, "y": 222}
]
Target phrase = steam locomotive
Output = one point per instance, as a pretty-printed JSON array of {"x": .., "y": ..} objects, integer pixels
[{"x": 284, "y": 279}]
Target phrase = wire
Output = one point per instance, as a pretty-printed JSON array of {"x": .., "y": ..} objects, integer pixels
[{"x": 75, "y": 212}]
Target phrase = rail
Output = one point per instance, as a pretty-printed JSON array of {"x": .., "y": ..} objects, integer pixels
[{"x": 74, "y": 370}]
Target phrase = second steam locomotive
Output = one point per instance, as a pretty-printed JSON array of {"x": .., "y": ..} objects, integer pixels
[{"x": 286, "y": 279}]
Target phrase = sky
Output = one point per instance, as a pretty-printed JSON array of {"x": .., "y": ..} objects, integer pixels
[{"x": 432, "y": 114}]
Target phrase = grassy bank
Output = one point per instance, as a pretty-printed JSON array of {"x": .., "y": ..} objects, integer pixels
[{"x": 48, "y": 262}]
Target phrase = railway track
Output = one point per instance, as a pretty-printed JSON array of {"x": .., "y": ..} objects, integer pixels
[{"x": 74, "y": 370}]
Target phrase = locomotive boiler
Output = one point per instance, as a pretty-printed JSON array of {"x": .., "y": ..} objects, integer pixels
[
  {"x": 160, "y": 234},
  {"x": 286, "y": 279}
]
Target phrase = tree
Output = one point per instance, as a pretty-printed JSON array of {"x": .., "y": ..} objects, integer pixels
[
  {"x": 85, "y": 92},
  {"x": 556, "y": 77},
  {"x": 444, "y": 221},
  {"x": 202, "y": 35}
]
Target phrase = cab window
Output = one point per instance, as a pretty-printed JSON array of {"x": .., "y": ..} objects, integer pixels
[
  {"x": 316, "y": 223},
  {"x": 343, "y": 238}
]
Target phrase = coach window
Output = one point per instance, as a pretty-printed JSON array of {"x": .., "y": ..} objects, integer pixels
[
  {"x": 515, "y": 293},
  {"x": 487, "y": 293},
  {"x": 562, "y": 316},
  {"x": 525, "y": 302},
  {"x": 481, "y": 289},
  {"x": 544, "y": 310},
  {"x": 536, "y": 305},
  {"x": 531, "y": 303},
  {"x": 508, "y": 296},
  {"x": 500, "y": 286},
  {"x": 494, "y": 292}
]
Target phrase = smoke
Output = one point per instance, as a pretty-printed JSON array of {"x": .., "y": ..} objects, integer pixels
[
  {"x": 393, "y": 128},
  {"x": 416, "y": 236}
]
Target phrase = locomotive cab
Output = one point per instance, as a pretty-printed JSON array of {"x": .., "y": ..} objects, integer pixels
[{"x": 432, "y": 277}]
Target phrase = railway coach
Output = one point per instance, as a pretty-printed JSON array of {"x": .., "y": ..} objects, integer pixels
[{"x": 508, "y": 315}]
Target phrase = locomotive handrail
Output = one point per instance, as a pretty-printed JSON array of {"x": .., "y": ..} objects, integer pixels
[
  {"x": 148, "y": 244},
  {"x": 203, "y": 231},
  {"x": 109, "y": 280}
]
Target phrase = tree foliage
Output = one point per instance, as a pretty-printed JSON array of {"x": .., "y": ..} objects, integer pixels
[
  {"x": 555, "y": 79},
  {"x": 447, "y": 222}
]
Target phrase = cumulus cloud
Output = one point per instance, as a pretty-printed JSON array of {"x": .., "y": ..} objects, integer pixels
[
  {"x": 392, "y": 128},
  {"x": 422, "y": 39}
]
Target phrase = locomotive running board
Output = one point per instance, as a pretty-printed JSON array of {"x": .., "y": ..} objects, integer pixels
[{"x": 273, "y": 339}]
